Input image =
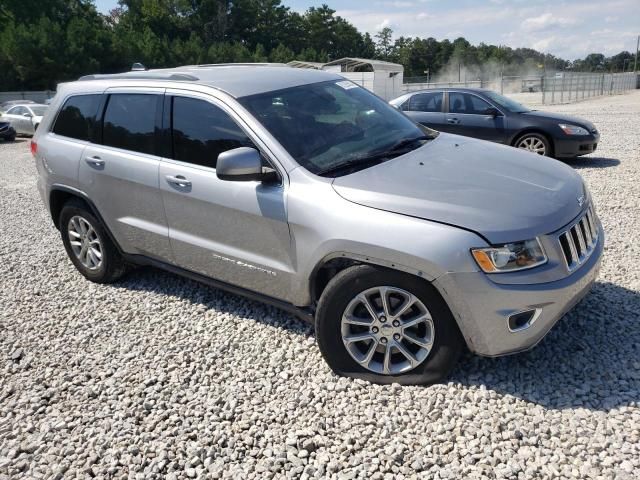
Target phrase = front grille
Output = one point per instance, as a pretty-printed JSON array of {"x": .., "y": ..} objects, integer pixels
[{"x": 580, "y": 240}]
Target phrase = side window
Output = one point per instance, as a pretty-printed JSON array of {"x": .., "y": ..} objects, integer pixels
[
  {"x": 17, "y": 111},
  {"x": 426, "y": 102},
  {"x": 478, "y": 105},
  {"x": 466, "y": 103},
  {"x": 201, "y": 131},
  {"x": 129, "y": 122},
  {"x": 77, "y": 119},
  {"x": 457, "y": 103}
]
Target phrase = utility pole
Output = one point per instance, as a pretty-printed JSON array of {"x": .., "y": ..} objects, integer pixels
[{"x": 635, "y": 64}]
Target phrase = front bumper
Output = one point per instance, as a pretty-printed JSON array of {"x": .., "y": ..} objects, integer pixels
[
  {"x": 482, "y": 307},
  {"x": 574, "y": 146}
]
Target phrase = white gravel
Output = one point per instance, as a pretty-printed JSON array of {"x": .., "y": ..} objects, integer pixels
[{"x": 160, "y": 377}]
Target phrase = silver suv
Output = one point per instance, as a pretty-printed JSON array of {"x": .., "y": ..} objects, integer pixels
[{"x": 301, "y": 189}]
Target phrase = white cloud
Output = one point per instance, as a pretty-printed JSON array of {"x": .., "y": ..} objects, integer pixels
[{"x": 545, "y": 21}]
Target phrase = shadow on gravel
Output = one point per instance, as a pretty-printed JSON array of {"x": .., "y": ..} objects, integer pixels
[
  {"x": 149, "y": 279},
  {"x": 590, "y": 359},
  {"x": 592, "y": 162},
  {"x": 17, "y": 140}
]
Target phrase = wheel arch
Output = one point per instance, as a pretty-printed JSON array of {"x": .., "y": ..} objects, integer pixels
[
  {"x": 60, "y": 195},
  {"x": 332, "y": 264}
]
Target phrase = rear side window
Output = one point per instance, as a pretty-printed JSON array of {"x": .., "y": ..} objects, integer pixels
[
  {"x": 426, "y": 102},
  {"x": 129, "y": 122},
  {"x": 77, "y": 119},
  {"x": 201, "y": 131}
]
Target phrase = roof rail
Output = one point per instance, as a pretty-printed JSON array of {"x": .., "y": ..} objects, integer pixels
[
  {"x": 142, "y": 75},
  {"x": 241, "y": 64}
]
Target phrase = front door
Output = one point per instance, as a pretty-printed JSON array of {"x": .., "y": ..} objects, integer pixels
[
  {"x": 121, "y": 175},
  {"x": 466, "y": 116},
  {"x": 236, "y": 232}
]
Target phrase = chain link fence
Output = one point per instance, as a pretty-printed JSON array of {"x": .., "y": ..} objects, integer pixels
[
  {"x": 37, "y": 97},
  {"x": 568, "y": 87}
]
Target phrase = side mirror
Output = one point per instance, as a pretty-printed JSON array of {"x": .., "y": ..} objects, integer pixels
[
  {"x": 494, "y": 112},
  {"x": 27, "y": 114},
  {"x": 243, "y": 164}
]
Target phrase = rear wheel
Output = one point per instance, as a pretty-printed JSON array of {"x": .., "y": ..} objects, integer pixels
[
  {"x": 535, "y": 143},
  {"x": 88, "y": 244},
  {"x": 385, "y": 326}
]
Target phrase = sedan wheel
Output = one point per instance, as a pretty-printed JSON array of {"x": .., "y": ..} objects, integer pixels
[{"x": 533, "y": 143}]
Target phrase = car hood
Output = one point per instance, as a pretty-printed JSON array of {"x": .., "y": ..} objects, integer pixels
[
  {"x": 560, "y": 118},
  {"x": 500, "y": 192}
]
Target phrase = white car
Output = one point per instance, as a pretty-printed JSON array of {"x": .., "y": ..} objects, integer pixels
[{"x": 25, "y": 118}]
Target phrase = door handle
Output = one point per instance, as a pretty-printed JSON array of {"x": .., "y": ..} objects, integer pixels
[
  {"x": 454, "y": 121},
  {"x": 94, "y": 161},
  {"x": 178, "y": 180}
]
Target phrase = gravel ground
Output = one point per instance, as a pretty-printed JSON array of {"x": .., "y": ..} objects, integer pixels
[{"x": 160, "y": 377}]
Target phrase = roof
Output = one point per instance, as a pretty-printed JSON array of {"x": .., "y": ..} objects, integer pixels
[
  {"x": 350, "y": 63},
  {"x": 238, "y": 80}
]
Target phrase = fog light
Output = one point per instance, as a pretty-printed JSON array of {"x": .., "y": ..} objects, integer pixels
[{"x": 522, "y": 320}]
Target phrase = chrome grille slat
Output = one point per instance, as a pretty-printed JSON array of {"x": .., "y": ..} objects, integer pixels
[{"x": 579, "y": 240}]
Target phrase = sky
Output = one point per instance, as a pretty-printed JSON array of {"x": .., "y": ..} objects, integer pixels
[{"x": 569, "y": 29}]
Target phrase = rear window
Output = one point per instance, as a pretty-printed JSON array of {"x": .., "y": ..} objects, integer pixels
[
  {"x": 77, "y": 118},
  {"x": 129, "y": 122}
]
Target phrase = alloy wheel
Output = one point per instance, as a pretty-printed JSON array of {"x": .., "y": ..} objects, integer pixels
[
  {"x": 532, "y": 144},
  {"x": 387, "y": 330},
  {"x": 85, "y": 242}
]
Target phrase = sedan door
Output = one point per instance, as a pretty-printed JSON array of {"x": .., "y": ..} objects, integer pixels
[
  {"x": 121, "y": 175},
  {"x": 236, "y": 232},
  {"x": 468, "y": 115},
  {"x": 426, "y": 109}
]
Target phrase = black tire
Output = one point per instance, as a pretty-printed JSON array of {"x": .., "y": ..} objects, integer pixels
[
  {"x": 447, "y": 345},
  {"x": 112, "y": 266},
  {"x": 536, "y": 136},
  {"x": 11, "y": 139}
]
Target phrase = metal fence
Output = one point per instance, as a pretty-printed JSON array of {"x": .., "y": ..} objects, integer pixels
[
  {"x": 37, "y": 97},
  {"x": 502, "y": 84},
  {"x": 568, "y": 87}
]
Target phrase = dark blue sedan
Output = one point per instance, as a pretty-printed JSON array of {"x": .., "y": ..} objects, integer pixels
[{"x": 487, "y": 115}]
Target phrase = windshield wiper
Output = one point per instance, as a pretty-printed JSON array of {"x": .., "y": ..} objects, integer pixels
[{"x": 365, "y": 161}]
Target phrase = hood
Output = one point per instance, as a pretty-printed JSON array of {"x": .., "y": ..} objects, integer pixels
[
  {"x": 500, "y": 192},
  {"x": 560, "y": 118}
]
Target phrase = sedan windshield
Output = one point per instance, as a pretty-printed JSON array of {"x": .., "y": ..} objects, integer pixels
[
  {"x": 335, "y": 126},
  {"x": 38, "y": 110},
  {"x": 507, "y": 103}
]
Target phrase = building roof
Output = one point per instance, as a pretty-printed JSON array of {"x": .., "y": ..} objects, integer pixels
[
  {"x": 351, "y": 63},
  {"x": 238, "y": 80},
  {"x": 303, "y": 64}
]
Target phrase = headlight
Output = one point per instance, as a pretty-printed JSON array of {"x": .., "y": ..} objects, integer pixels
[
  {"x": 510, "y": 257},
  {"x": 573, "y": 129}
]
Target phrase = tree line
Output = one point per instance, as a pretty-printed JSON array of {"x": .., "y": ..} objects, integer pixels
[{"x": 45, "y": 42}]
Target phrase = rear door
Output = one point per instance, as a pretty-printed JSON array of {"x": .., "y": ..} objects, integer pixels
[
  {"x": 426, "y": 109},
  {"x": 120, "y": 175},
  {"x": 467, "y": 116},
  {"x": 236, "y": 232}
]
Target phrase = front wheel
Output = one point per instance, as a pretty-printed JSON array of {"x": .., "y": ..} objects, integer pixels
[
  {"x": 534, "y": 143},
  {"x": 386, "y": 327}
]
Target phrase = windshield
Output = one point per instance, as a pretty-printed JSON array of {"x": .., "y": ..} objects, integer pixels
[
  {"x": 327, "y": 125},
  {"x": 38, "y": 111},
  {"x": 507, "y": 103}
]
